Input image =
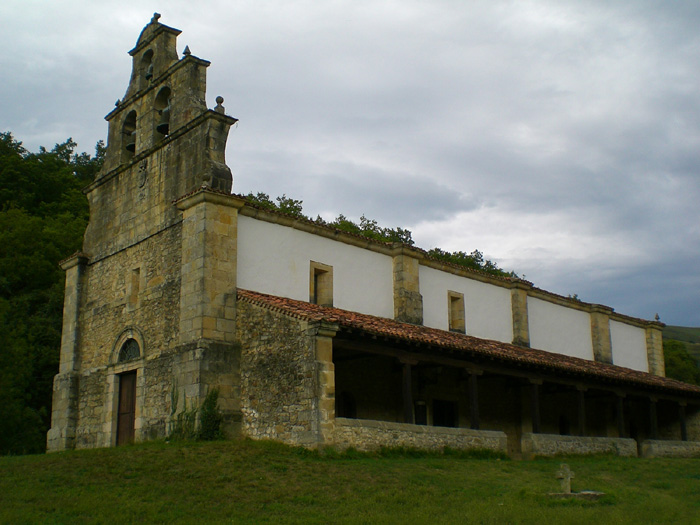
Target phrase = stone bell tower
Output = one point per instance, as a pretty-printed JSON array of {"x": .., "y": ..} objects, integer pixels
[{"x": 148, "y": 308}]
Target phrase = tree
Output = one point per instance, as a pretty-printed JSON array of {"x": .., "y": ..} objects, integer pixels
[
  {"x": 43, "y": 214},
  {"x": 679, "y": 363}
]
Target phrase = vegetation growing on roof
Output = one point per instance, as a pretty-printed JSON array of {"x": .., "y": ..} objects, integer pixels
[{"x": 371, "y": 229}]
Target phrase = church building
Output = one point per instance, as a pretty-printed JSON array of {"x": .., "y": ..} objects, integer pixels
[{"x": 318, "y": 337}]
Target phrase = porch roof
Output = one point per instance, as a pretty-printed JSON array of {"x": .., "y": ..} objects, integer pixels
[{"x": 465, "y": 346}]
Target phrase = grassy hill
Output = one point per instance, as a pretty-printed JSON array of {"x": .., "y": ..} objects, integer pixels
[
  {"x": 690, "y": 336},
  {"x": 263, "y": 482}
]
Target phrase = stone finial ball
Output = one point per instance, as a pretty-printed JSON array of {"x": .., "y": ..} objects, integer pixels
[{"x": 219, "y": 99}]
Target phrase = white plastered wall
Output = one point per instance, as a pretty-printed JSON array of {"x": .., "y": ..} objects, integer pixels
[
  {"x": 629, "y": 346},
  {"x": 275, "y": 259},
  {"x": 487, "y": 308},
  {"x": 559, "y": 329}
]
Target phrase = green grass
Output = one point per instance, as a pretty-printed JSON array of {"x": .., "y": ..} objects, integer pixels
[{"x": 264, "y": 482}]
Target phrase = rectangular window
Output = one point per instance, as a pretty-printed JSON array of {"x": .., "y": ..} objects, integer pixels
[
  {"x": 455, "y": 303},
  {"x": 321, "y": 284},
  {"x": 133, "y": 287}
]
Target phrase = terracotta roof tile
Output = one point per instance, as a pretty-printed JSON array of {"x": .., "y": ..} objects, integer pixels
[{"x": 464, "y": 344}]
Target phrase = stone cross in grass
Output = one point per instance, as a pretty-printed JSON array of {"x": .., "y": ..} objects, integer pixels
[{"x": 564, "y": 475}]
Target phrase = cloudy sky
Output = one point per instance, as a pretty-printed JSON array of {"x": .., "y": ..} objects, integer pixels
[{"x": 560, "y": 138}]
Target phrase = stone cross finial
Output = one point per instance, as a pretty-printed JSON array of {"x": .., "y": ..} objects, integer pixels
[
  {"x": 564, "y": 475},
  {"x": 156, "y": 17}
]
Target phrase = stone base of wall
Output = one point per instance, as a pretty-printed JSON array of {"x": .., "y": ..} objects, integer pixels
[
  {"x": 554, "y": 444},
  {"x": 366, "y": 435},
  {"x": 652, "y": 448}
]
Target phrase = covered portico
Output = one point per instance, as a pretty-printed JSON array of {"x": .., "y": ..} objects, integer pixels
[
  {"x": 414, "y": 379},
  {"x": 380, "y": 382}
]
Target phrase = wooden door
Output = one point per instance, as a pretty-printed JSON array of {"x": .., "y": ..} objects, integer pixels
[{"x": 126, "y": 414}]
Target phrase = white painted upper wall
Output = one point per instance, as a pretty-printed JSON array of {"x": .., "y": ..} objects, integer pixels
[
  {"x": 487, "y": 308},
  {"x": 275, "y": 259},
  {"x": 559, "y": 329},
  {"x": 629, "y": 346}
]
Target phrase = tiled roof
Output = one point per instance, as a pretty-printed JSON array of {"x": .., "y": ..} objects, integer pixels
[{"x": 467, "y": 346}]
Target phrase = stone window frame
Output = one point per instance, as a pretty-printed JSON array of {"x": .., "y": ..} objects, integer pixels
[
  {"x": 127, "y": 349},
  {"x": 320, "y": 283},
  {"x": 455, "y": 312},
  {"x": 135, "y": 284},
  {"x": 130, "y": 332}
]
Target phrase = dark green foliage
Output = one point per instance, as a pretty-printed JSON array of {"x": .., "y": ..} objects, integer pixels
[
  {"x": 679, "y": 363},
  {"x": 210, "y": 418},
  {"x": 183, "y": 424},
  {"x": 43, "y": 214},
  {"x": 284, "y": 204},
  {"x": 474, "y": 260}
]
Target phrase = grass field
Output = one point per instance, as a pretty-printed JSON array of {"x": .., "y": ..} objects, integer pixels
[{"x": 263, "y": 482}]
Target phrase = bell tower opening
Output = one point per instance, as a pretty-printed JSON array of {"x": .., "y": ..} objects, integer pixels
[
  {"x": 162, "y": 108},
  {"x": 146, "y": 68},
  {"x": 129, "y": 136}
]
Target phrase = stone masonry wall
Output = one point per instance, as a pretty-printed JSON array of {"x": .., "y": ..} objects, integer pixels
[
  {"x": 278, "y": 377},
  {"x": 670, "y": 449},
  {"x": 554, "y": 444},
  {"x": 137, "y": 287},
  {"x": 364, "y": 434}
]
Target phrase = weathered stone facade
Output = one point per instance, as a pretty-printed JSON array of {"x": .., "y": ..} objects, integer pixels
[
  {"x": 653, "y": 448},
  {"x": 556, "y": 445},
  {"x": 278, "y": 376},
  {"x": 367, "y": 435},
  {"x": 154, "y": 317},
  {"x": 140, "y": 252}
]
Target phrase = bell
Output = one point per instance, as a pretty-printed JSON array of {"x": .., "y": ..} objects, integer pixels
[
  {"x": 131, "y": 142},
  {"x": 163, "y": 126}
]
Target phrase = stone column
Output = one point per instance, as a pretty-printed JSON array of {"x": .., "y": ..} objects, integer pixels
[
  {"x": 325, "y": 380},
  {"x": 655, "y": 348},
  {"x": 473, "y": 400},
  {"x": 600, "y": 333},
  {"x": 521, "y": 328},
  {"x": 620, "y": 409},
  {"x": 207, "y": 355},
  {"x": 681, "y": 420},
  {"x": 64, "y": 414},
  {"x": 535, "y": 405},
  {"x": 653, "y": 420},
  {"x": 407, "y": 391},
  {"x": 408, "y": 302},
  {"x": 581, "y": 411},
  {"x": 209, "y": 265}
]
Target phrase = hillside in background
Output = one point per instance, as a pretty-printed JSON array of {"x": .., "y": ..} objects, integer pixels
[
  {"x": 246, "y": 481},
  {"x": 688, "y": 335}
]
